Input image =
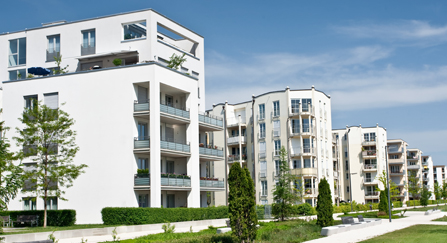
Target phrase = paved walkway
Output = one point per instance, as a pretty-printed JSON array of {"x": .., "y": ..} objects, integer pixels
[{"x": 413, "y": 218}]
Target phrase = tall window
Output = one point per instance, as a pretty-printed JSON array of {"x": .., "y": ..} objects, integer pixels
[
  {"x": 17, "y": 52},
  {"x": 52, "y": 203},
  {"x": 295, "y": 126},
  {"x": 261, "y": 111},
  {"x": 307, "y": 163},
  {"x": 296, "y": 164},
  {"x": 277, "y": 147},
  {"x": 263, "y": 188},
  {"x": 276, "y": 128},
  {"x": 307, "y": 105},
  {"x": 277, "y": 167},
  {"x": 306, "y": 145},
  {"x": 261, "y": 130},
  {"x": 346, "y": 165},
  {"x": 30, "y": 101},
  {"x": 143, "y": 163},
  {"x": 295, "y": 105},
  {"x": 143, "y": 200},
  {"x": 17, "y": 74},
  {"x": 54, "y": 45},
  {"x": 29, "y": 203},
  {"x": 263, "y": 172},
  {"x": 134, "y": 30},
  {"x": 262, "y": 150},
  {"x": 88, "y": 42},
  {"x": 275, "y": 108},
  {"x": 368, "y": 177},
  {"x": 51, "y": 100}
]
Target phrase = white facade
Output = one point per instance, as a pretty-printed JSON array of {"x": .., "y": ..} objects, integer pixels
[
  {"x": 361, "y": 151},
  {"x": 398, "y": 169},
  {"x": 439, "y": 174},
  {"x": 427, "y": 174},
  {"x": 299, "y": 120},
  {"x": 119, "y": 129}
]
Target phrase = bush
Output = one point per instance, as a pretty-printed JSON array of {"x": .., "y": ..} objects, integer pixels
[
  {"x": 134, "y": 216},
  {"x": 117, "y": 62},
  {"x": 324, "y": 205},
  {"x": 303, "y": 209},
  {"x": 413, "y": 202},
  {"x": 65, "y": 217},
  {"x": 383, "y": 205},
  {"x": 260, "y": 211}
]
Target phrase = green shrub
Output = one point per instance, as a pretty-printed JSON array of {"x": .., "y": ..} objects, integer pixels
[
  {"x": 413, "y": 202},
  {"x": 134, "y": 216},
  {"x": 65, "y": 217},
  {"x": 303, "y": 209},
  {"x": 260, "y": 211},
  {"x": 117, "y": 62},
  {"x": 383, "y": 205},
  {"x": 324, "y": 205},
  {"x": 142, "y": 171}
]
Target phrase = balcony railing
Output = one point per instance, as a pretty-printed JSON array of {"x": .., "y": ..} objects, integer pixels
[
  {"x": 142, "y": 180},
  {"x": 236, "y": 157},
  {"x": 175, "y": 146},
  {"x": 308, "y": 150},
  {"x": 413, "y": 167},
  {"x": 296, "y": 151},
  {"x": 174, "y": 111},
  {"x": 175, "y": 180},
  {"x": 395, "y": 150},
  {"x": 295, "y": 110},
  {"x": 295, "y": 131},
  {"x": 369, "y": 141},
  {"x": 412, "y": 157},
  {"x": 212, "y": 120},
  {"x": 371, "y": 194},
  {"x": 368, "y": 180},
  {"x": 276, "y": 133},
  {"x": 369, "y": 153},
  {"x": 262, "y": 154},
  {"x": 88, "y": 50},
  {"x": 308, "y": 129},
  {"x": 370, "y": 167},
  {"x": 212, "y": 182},
  {"x": 235, "y": 139},
  {"x": 142, "y": 142},
  {"x": 211, "y": 151},
  {"x": 51, "y": 55},
  {"x": 263, "y": 174},
  {"x": 141, "y": 105},
  {"x": 234, "y": 121}
]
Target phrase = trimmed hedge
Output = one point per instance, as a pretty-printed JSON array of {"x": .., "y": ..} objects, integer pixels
[
  {"x": 65, "y": 217},
  {"x": 135, "y": 216},
  {"x": 418, "y": 203}
]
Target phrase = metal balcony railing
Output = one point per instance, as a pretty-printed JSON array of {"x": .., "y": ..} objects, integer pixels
[
  {"x": 212, "y": 182},
  {"x": 369, "y": 153},
  {"x": 236, "y": 157},
  {"x": 235, "y": 139},
  {"x": 142, "y": 142},
  {"x": 174, "y": 111},
  {"x": 175, "y": 146},
  {"x": 88, "y": 50},
  {"x": 175, "y": 180},
  {"x": 212, "y": 120},
  {"x": 370, "y": 166},
  {"x": 142, "y": 180},
  {"x": 211, "y": 151},
  {"x": 141, "y": 105},
  {"x": 371, "y": 194}
]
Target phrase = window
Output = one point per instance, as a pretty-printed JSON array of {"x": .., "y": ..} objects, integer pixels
[
  {"x": 264, "y": 202},
  {"x": 347, "y": 189},
  {"x": 52, "y": 203},
  {"x": 264, "y": 188},
  {"x": 347, "y": 165},
  {"x": 277, "y": 167},
  {"x": 306, "y": 126},
  {"x": 261, "y": 111},
  {"x": 134, "y": 30},
  {"x": 369, "y": 137},
  {"x": 17, "y": 52},
  {"x": 17, "y": 74},
  {"x": 261, "y": 130},
  {"x": 262, "y": 150},
  {"x": 368, "y": 177},
  {"x": 263, "y": 172},
  {"x": 277, "y": 148},
  {"x": 276, "y": 128},
  {"x": 30, "y": 101},
  {"x": 143, "y": 200},
  {"x": 143, "y": 163},
  {"x": 307, "y": 105},
  {"x": 275, "y": 108},
  {"x": 347, "y": 176},
  {"x": 195, "y": 74},
  {"x": 306, "y": 145},
  {"x": 307, "y": 163},
  {"x": 297, "y": 164},
  {"x": 295, "y": 105},
  {"x": 88, "y": 46},
  {"x": 29, "y": 203},
  {"x": 54, "y": 47},
  {"x": 295, "y": 126},
  {"x": 51, "y": 100}
]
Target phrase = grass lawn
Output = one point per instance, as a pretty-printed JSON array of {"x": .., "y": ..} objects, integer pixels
[
  {"x": 416, "y": 233},
  {"x": 24, "y": 230},
  {"x": 442, "y": 219},
  {"x": 394, "y": 215}
]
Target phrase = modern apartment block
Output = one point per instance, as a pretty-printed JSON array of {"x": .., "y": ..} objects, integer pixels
[
  {"x": 137, "y": 115},
  {"x": 439, "y": 174},
  {"x": 414, "y": 167},
  {"x": 255, "y": 131},
  {"x": 427, "y": 174},
  {"x": 397, "y": 165},
  {"x": 361, "y": 152}
]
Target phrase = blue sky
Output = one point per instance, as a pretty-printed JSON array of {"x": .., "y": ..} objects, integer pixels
[{"x": 381, "y": 61}]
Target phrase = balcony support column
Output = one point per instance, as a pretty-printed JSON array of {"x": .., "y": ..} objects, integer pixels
[
  {"x": 193, "y": 162},
  {"x": 155, "y": 156}
]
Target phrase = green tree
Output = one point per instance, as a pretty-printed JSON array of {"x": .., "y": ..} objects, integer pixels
[
  {"x": 241, "y": 204},
  {"x": 383, "y": 204},
  {"x": 284, "y": 195},
  {"x": 413, "y": 186},
  {"x": 394, "y": 190},
  {"x": 11, "y": 178},
  {"x": 425, "y": 195},
  {"x": 324, "y": 204},
  {"x": 49, "y": 141},
  {"x": 59, "y": 69},
  {"x": 444, "y": 192},
  {"x": 438, "y": 192},
  {"x": 175, "y": 61}
]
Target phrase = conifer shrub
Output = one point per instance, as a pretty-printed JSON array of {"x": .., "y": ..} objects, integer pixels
[
  {"x": 324, "y": 204},
  {"x": 383, "y": 204}
]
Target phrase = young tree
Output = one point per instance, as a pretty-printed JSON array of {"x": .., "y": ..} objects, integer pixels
[
  {"x": 413, "y": 186},
  {"x": 324, "y": 204},
  {"x": 394, "y": 190},
  {"x": 444, "y": 192},
  {"x": 425, "y": 195},
  {"x": 11, "y": 179},
  {"x": 283, "y": 192},
  {"x": 175, "y": 61},
  {"x": 383, "y": 204},
  {"x": 48, "y": 140},
  {"x": 438, "y": 192},
  {"x": 59, "y": 69}
]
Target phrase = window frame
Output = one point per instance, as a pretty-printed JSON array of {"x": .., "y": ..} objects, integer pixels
[
  {"x": 261, "y": 111},
  {"x": 17, "y": 53},
  {"x": 276, "y": 108}
]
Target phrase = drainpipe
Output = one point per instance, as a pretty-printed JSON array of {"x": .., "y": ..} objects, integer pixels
[
  {"x": 349, "y": 165},
  {"x": 253, "y": 141},
  {"x": 224, "y": 108}
]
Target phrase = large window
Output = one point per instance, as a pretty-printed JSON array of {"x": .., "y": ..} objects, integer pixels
[
  {"x": 134, "y": 30},
  {"x": 30, "y": 101},
  {"x": 52, "y": 203},
  {"x": 276, "y": 128},
  {"x": 369, "y": 137},
  {"x": 261, "y": 111},
  {"x": 296, "y": 164},
  {"x": 295, "y": 105},
  {"x": 17, "y": 74},
  {"x": 51, "y": 100},
  {"x": 275, "y": 108},
  {"x": 261, "y": 130},
  {"x": 88, "y": 42},
  {"x": 277, "y": 147},
  {"x": 307, "y": 163},
  {"x": 307, "y": 105},
  {"x": 295, "y": 126},
  {"x": 263, "y": 188},
  {"x": 277, "y": 167},
  {"x": 29, "y": 203},
  {"x": 17, "y": 52},
  {"x": 263, "y": 172},
  {"x": 54, "y": 47}
]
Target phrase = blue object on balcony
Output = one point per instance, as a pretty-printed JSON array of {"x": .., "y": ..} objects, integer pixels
[{"x": 39, "y": 71}]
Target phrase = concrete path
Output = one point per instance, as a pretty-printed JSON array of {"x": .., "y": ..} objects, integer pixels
[{"x": 412, "y": 218}]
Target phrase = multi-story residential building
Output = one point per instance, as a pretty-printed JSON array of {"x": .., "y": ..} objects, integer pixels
[
  {"x": 361, "y": 151},
  {"x": 414, "y": 167},
  {"x": 427, "y": 174},
  {"x": 336, "y": 163},
  {"x": 397, "y": 165},
  {"x": 138, "y": 115},
  {"x": 439, "y": 174},
  {"x": 299, "y": 120}
]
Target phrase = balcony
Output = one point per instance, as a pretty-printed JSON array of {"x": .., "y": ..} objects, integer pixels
[
  {"x": 262, "y": 154},
  {"x": 88, "y": 50},
  {"x": 369, "y": 142},
  {"x": 210, "y": 122},
  {"x": 234, "y": 121},
  {"x": 263, "y": 174},
  {"x": 237, "y": 158},
  {"x": 211, "y": 151},
  {"x": 308, "y": 131},
  {"x": 369, "y": 167},
  {"x": 309, "y": 192},
  {"x": 142, "y": 180},
  {"x": 295, "y": 152},
  {"x": 308, "y": 151},
  {"x": 396, "y": 173},
  {"x": 235, "y": 140},
  {"x": 179, "y": 147},
  {"x": 371, "y": 194},
  {"x": 396, "y": 161},
  {"x": 413, "y": 167},
  {"x": 172, "y": 180},
  {"x": 369, "y": 154},
  {"x": 174, "y": 111},
  {"x": 395, "y": 151},
  {"x": 369, "y": 181},
  {"x": 142, "y": 142},
  {"x": 411, "y": 157},
  {"x": 295, "y": 132},
  {"x": 211, "y": 183},
  {"x": 295, "y": 111},
  {"x": 307, "y": 109},
  {"x": 141, "y": 105},
  {"x": 305, "y": 172}
]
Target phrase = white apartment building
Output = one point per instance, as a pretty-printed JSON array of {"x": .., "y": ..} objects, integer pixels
[
  {"x": 414, "y": 166},
  {"x": 439, "y": 174},
  {"x": 361, "y": 152},
  {"x": 255, "y": 131},
  {"x": 139, "y": 115},
  {"x": 397, "y": 163},
  {"x": 428, "y": 180}
]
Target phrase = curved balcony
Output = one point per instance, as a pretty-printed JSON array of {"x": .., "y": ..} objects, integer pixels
[
  {"x": 235, "y": 140},
  {"x": 237, "y": 158},
  {"x": 369, "y": 154},
  {"x": 370, "y": 167},
  {"x": 308, "y": 131},
  {"x": 305, "y": 172}
]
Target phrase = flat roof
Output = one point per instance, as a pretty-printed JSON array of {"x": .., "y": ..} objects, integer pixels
[{"x": 59, "y": 23}]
